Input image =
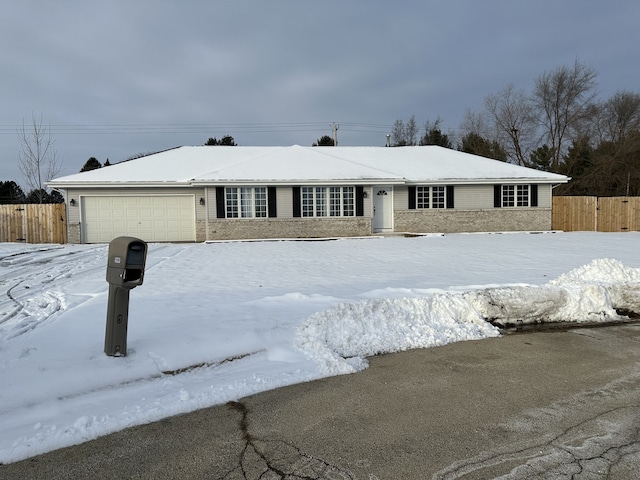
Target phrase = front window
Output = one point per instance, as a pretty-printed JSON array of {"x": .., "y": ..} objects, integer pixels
[
  {"x": 246, "y": 202},
  {"x": 431, "y": 197},
  {"x": 328, "y": 201},
  {"x": 515, "y": 196},
  {"x": 522, "y": 195}
]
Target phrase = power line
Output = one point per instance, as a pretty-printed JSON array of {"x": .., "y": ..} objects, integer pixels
[{"x": 181, "y": 128}]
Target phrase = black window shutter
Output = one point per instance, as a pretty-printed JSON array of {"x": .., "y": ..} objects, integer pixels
[
  {"x": 497, "y": 196},
  {"x": 449, "y": 196},
  {"x": 359, "y": 201},
  {"x": 412, "y": 198},
  {"x": 534, "y": 195},
  {"x": 220, "y": 213},
  {"x": 272, "y": 205},
  {"x": 296, "y": 202}
]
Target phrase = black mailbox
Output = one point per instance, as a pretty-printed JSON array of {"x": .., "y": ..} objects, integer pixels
[{"x": 125, "y": 271}]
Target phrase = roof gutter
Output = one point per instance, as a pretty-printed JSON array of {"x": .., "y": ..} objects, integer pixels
[
  {"x": 86, "y": 184},
  {"x": 486, "y": 181},
  {"x": 297, "y": 182},
  {"x": 300, "y": 181}
]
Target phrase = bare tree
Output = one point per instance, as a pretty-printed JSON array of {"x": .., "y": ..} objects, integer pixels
[
  {"x": 480, "y": 137},
  {"x": 563, "y": 99},
  {"x": 514, "y": 123},
  {"x": 476, "y": 123},
  {"x": 619, "y": 116},
  {"x": 404, "y": 135},
  {"x": 411, "y": 131},
  {"x": 37, "y": 157},
  {"x": 398, "y": 134}
]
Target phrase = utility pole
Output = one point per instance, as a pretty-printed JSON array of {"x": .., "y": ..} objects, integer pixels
[{"x": 335, "y": 134}]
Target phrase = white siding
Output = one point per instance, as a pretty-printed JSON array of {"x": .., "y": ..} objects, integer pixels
[
  {"x": 284, "y": 196},
  {"x": 544, "y": 196},
  {"x": 400, "y": 197},
  {"x": 472, "y": 197}
]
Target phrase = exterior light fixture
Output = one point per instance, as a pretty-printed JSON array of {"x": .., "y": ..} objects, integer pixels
[
  {"x": 72, "y": 202},
  {"x": 202, "y": 201}
]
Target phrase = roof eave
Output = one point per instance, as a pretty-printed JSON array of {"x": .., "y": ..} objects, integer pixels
[
  {"x": 321, "y": 181},
  {"x": 299, "y": 181},
  {"x": 117, "y": 184},
  {"x": 485, "y": 181}
]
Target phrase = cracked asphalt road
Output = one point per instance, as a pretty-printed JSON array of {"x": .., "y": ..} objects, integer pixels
[{"x": 546, "y": 405}]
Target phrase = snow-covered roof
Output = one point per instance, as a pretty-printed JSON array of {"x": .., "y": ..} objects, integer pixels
[{"x": 201, "y": 165}]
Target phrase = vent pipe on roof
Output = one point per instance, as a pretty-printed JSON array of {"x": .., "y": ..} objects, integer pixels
[
  {"x": 388, "y": 144},
  {"x": 335, "y": 134}
]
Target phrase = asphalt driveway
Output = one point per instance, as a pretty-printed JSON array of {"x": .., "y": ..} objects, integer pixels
[{"x": 557, "y": 404}]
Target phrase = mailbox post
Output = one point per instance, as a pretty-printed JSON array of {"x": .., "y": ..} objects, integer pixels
[{"x": 125, "y": 271}]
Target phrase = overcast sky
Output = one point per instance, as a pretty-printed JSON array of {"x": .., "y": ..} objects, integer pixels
[{"x": 115, "y": 78}]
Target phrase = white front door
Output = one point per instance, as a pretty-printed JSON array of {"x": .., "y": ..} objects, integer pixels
[{"x": 382, "y": 209}]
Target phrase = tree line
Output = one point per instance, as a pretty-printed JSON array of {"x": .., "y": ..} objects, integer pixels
[
  {"x": 12, "y": 193},
  {"x": 559, "y": 126}
]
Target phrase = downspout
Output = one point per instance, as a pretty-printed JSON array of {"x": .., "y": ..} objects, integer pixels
[{"x": 206, "y": 213}]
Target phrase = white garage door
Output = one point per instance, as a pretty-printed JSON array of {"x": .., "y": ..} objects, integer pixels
[{"x": 157, "y": 218}]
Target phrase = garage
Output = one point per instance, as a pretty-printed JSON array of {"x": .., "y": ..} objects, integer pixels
[{"x": 152, "y": 218}]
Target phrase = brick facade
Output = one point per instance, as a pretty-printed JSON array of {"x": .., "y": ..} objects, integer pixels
[
  {"x": 73, "y": 233},
  {"x": 230, "y": 229},
  {"x": 483, "y": 220}
]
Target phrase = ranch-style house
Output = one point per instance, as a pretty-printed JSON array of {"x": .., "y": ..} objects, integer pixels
[{"x": 205, "y": 193}]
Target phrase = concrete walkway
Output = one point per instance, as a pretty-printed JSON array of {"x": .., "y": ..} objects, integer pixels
[{"x": 563, "y": 404}]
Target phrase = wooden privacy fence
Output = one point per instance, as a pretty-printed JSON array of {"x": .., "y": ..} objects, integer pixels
[
  {"x": 596, "y": 214},
  {"x": 33, "y": 223},
  {"x": 46, "y": 223}
]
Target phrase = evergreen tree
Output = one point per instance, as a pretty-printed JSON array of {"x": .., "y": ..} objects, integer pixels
[
  {"x": 541, "y": 158},
  {"x": 577, "y": 164},
  {"x": 91, "y": 164},
  {"x": 434, "y": 136},
  {"x": 478, "y": 145},
  {"x": 324, "y": 141},
  {"x": 227, "y": 140},
  {"x": 38, "y": 195},
  {"x": 42, "y": 196},
  {"x": 56, "y": 197},
  {"x": 11, "y": 193}
]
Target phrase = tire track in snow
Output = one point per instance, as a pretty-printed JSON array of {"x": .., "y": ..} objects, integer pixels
[
  {"x": 30, "y": 282},
  {"x": 34, "y": 293}
]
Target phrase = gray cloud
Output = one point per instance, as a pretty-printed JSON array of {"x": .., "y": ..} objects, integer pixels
[{"x": 119, "y": 78}]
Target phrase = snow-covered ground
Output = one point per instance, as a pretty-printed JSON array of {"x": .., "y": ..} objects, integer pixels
[{"x": 215, "y": 322}]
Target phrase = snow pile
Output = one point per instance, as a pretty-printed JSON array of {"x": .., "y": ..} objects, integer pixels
[
  {"x": 603, "y": 271},
  {"x": 603, "y": 290},
  {"x": 340, "y": 338},
  {"x": 529, "y": 304},
  {"x": 621, "y": 283}
]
